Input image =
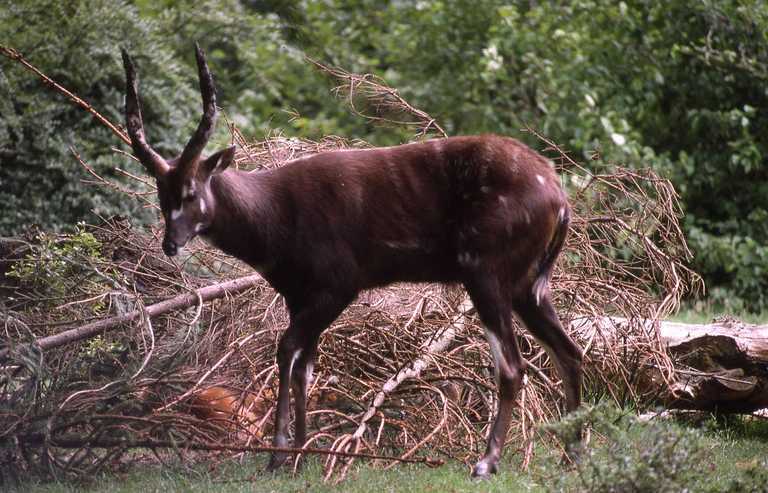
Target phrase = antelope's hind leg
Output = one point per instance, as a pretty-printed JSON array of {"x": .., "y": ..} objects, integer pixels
[
  {"x": 496, "y": 315},
  {"x": 541, "y": 320}
]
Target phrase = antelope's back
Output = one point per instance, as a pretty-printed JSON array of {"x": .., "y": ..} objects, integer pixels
[{"x": 409, "y": 213}]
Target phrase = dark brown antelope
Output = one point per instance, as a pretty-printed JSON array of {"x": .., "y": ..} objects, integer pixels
[{"x": 485, "y": 211}]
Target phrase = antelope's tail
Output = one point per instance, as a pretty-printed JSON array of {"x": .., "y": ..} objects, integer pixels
[{"x": 547, "y": 263}]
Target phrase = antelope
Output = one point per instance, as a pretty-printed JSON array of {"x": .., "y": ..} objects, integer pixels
[{"x": 484, "y": 211}]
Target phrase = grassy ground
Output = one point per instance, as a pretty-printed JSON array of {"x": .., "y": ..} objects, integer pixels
[
  {"x": 623, "y": 455},
  {"x": 690, "y": 315}
]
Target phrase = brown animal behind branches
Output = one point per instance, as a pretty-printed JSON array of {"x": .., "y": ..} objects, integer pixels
[
  {"x": 484, "y": 211},
  {"x": 228, "y": 409}
]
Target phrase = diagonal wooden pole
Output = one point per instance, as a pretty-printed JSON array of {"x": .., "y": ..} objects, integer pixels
[{"x": 179, "y": 302}]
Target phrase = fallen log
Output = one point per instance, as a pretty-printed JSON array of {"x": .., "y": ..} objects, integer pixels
[
  {"x": 179, "y": 302},
  {"x": 719, "y": 367}
]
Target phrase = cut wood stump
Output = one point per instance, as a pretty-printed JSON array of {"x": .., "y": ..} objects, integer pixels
[{"x": 721, "y": 366}]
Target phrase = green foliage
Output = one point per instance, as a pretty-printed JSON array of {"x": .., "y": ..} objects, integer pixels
[
  {"x": 678, "y": 86},
  {"x": 52, "y": 264},
  {"x": 629, "y": 455},
  {"x": 635, "y": 457},
  {"x": 98, "y": 345},
  {"x": 77, "y": 44},
  {"x": 737, "y": 264},
  {"x": 258, "y": 50},
  {"x": 56, "y": 266},
  {"x": 753, "y": 478}
]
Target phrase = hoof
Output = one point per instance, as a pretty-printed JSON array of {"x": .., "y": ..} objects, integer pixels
[
  {"x": 483, "y": 470},
  {"x": 276, "y": 462}
]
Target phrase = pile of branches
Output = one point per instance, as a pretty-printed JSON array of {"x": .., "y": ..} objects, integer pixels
[{"x": 115, "y": 353}]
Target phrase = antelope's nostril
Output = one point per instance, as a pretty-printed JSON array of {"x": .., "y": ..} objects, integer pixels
[{"x": 170, "y": 248}]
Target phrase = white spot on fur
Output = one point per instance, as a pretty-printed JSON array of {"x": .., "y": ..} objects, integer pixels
[
  {"x": 203, "y": 208},
  {"x": 295, "y": 357},
  {"x": 496, "y": 352},
  {"x": 468, "y": 260},
  {"x": 482, "y": 469},
  {"x": 561, "y": 214},
  {"x": 403, "y": 245},
  {"x": 308, "y": 373},
  {"x": 176, "y": 213},
  {"x": 540, "y": 287},
  {"x": 540, "y": 178},
  {"x": 187, "y": 190},
  {"x": 199, "y": 227},
  {"x": 503, "y": 200},
  {"x": 485, "y": 189}
]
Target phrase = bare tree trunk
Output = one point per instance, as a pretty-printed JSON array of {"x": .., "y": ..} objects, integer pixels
[{"x": 721, "y": 366}]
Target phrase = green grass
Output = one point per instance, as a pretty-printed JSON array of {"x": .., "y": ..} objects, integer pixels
[
  {"x": 249, "y": 477},
  {"x": 624, "y": 454},
  {"x": 692, "y": 315}
]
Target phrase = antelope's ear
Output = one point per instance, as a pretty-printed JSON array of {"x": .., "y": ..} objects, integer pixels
[{"x": 218, "y": 162}]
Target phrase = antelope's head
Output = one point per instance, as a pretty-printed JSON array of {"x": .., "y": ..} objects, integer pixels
[{"x": 183, "y": 182}]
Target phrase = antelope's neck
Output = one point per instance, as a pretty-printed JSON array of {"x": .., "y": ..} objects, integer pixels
[{"x": 239, "y": 226}]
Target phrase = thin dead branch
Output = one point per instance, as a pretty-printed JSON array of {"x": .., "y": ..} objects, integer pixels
[
  {"x": 386, "y": 102},
  {"x": 14, "y": 55}
]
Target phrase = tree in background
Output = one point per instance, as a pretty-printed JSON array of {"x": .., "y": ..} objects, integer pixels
[
  {"x": 678, "y": 86},
  {"x": 77, "y": 44}
]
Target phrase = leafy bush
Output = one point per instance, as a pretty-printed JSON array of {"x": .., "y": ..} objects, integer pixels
[
  {"x": 626, "y": 454},
  {"x": 55, "y": 266},
  {"x": 678, "y": 86},
  {"x": 77, "y": 44},
  {"x": 629, "y": 456},
  {"x": 51, "y": 263}
]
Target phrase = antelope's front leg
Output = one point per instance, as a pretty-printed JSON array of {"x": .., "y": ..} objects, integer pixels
[
  {"x": 287, "y": 353},
  {"x": 295, "y": 357},
  {"x": 301, "y": 379}
]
